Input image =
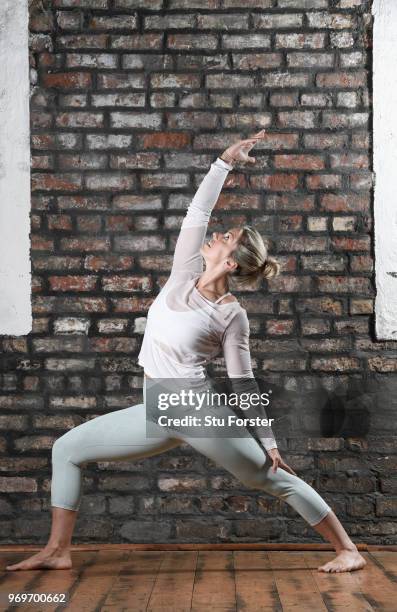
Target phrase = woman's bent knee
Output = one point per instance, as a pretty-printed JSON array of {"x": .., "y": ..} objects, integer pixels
[{"x": 63, "y": 447}]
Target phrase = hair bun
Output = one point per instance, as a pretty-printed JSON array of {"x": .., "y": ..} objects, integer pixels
[{"x": 270, "y": 268}]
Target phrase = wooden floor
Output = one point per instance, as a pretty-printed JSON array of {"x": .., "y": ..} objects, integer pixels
[{"x": 205, "y": 580}]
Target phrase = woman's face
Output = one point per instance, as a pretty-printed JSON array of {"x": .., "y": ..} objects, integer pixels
[{"x": 221, "y": 246}]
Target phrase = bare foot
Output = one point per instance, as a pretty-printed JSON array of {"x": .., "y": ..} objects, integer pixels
[
  {"x": 345, "y": 561},
  {"x": 45, "y": 559}
]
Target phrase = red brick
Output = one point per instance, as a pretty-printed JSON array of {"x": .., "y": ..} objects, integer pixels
[
  {"x": 324, "y": 181},
  {"x": 163, "y": 179},
  {"x": 67, "y": 80},
  {"x": 166, "y": 140},
  {"x": 298, "y": 119},
  {"x": 82, "y": 41},
  {"x": 98, "y": 263},
  {"x": 82, "y": 161},
  {"x": 303, "y": 243},
  {"x": 300, "y": 41},
  {"x": 68, "y": 20},
  {"x": 120, "y": 80},
  {"x": 353, "y": 160},
  {"x": 292, "y": 364},
  {"x": 48, "y": 262},
  {"x": 289, "y": 284},
  {"x": 344, "y": 80},
  {"x": 139, "y": 243},
  {"x": 115, "y": 22},
  {"x": 361, "y": 263},
  {"x": 17, "y": 484},
  {"x": 275, "y": 182},
  {"x": 192, "y": 41},
  {"x": 132, "y": 304},
  {"x": 284, "y": 99},
  {"x": 285, "y": 79},
  {"x": 59, "y": 222},
  {"x": 328, "y": 19},
  {"x": 362, "y": 243},
  {"x": 72, "y": 283},
  {"x": 126, "y": 283},
  {"x": 92, "y": 4},
  {"x": 241, "y": 120},
  {"x": 291, "y": 223},
  {"x": 85, "y": 244},
  {"x": 42, "y": 162},
  {"x": 361, "y": 181},
  {"x": 56, "y": 182},
  {"x": 335, "y": 364},
  {"x": 41, "y": 20},
  {"x": 255, "y": 61},
  {"x": 382, "y": 364},
  {"x": 344, "y": 284},
  {"x": 92, "y": 60},
  {"x": 299, "y": 162},
  {"x": 119, "y": 223},
  {"x": 82, "y": 203},
  {"x": 40, "y": 119},
  {"x": 345, "y": 202},
  {"x": 138, "y": 41},
  {"x": 142, "y": 160},
  {"x": 110, "y": 181},
  {"x": 325, "y": 141},
  {"x": 290, "y": 202},
  {"x": 326, "y": 305},
  {"x": 112, "y": 345},
  {"x": 275, "y": 141},
  {"x": 137, "y": 202},
  {"x": 363, "y": 306},
  {"x": 339, "y": 120},
  {"x": 81, "y": 119},
  {"x": 252, "y": 40},
  {"x": 277, "y": 327},
  {"x": 241, "y": 201},
  {"x": 310, "y": 60},
  {"x": 173, "y": 80},
  {"x": 89, "y": 223},
  {"x": 228, "y": 81},
  {"x": 135, "y": 120}
]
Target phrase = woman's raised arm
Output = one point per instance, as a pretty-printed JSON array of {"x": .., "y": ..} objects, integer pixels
[{"x": 194, "y": 225}]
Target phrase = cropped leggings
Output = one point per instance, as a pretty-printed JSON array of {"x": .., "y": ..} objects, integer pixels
[{"x": 121, "y": 435}]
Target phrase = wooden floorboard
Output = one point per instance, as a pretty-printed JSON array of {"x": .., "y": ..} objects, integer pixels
[{"x": 121, "y": 580}]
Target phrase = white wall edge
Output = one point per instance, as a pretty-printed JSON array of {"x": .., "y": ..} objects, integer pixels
[
  {"x": 385, "y": 165},
  {"x": 15, "y": 270}
]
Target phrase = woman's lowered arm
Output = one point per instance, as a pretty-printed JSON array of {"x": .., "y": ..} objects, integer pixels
[{"x": 238, "y": 364}]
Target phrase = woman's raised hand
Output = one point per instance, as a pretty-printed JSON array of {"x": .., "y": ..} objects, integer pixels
[{"x": 238, "y": 152}]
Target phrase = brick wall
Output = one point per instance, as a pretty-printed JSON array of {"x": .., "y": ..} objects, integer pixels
[{"x": 131, "y": 102}]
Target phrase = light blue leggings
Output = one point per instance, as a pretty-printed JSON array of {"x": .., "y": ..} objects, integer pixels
[{"x": 121, "y": 435}]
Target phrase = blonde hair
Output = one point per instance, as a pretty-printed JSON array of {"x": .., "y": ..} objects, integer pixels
[{"x": 252, "y": 259}]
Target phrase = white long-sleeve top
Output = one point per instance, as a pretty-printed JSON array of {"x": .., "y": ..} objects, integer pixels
[{"x": 185, "y": 330}]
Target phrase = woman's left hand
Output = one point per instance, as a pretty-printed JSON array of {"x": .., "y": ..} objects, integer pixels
[
  {"x": 239, "y": 151},
  {"x": 278, "y": 461}
]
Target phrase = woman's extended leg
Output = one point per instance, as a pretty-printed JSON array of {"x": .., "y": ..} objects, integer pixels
[
  {"x": 116, "y": 436},
  {"x": 348, "y": 557},
  {"x": 249, "y": 463}
]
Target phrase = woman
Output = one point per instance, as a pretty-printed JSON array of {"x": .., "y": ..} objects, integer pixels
[{"x": 190, "y": 321}]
